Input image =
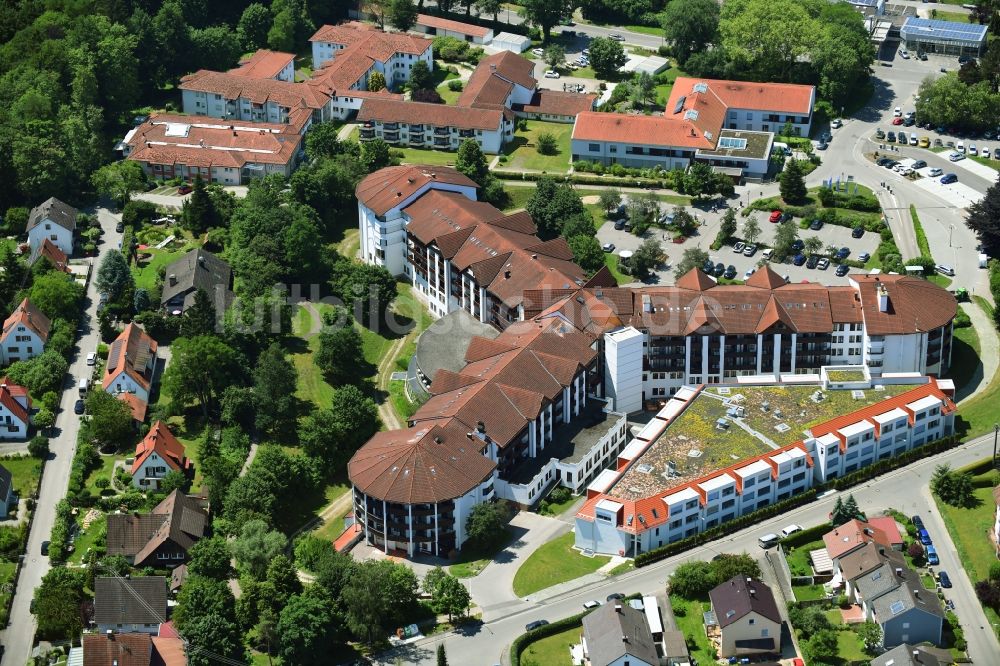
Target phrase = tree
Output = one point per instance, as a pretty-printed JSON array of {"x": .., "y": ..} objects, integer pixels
[
  {"x": 281, "y": 36},
  {"x": 552, "y": 204},
  {"x": 58, "y": 603},
  {"x": 692, "y": 257},
  {"x": 442, "y": 657},
  {"x": 606, "y": 56},
  {"x": 487, "y": 525},
  {"x": 610, "y": 199},
  {"x": 200, "y": 318},
  {"x": 690, "y": 25},
  {"x": 448, "y": 595},
  {"x": 113, "y": 276},
  {"x": 727, "y": 565},
  {"x": 38, "y": 447},
  {"x": 110, "y": 423},
  {"x": 546, "y": 144},
  {"x": 401, "y": 14},
  {"x": 200, "y": 369},
  {"x": 274, "y": 382},
  {"x": 727, "y": 228},
  {"x": 784, "y": 237},
  {"x": 172, "y": 37},
  {"x": 40, "y": 374},
  {"x": 821, "y": 646},
  {"x": 375, "y": 155},
  {"x": 421, "y": 77},
  {"x": 751, "y": 230},
  {"x": 306, "y": 627},
  {"x": 767, "y": 36},
  {"x": 546, "y": 14},
  {"x": 376, "y": 81},
  {"x": 812, "y": 245},
  {"x": 252, "y": 29},
  {"x": 118, "y": 180},
  {"x": 339, "y": 354},
  {"x": 587, "y": 253},
  {"x": 332, "y": 435},
  {"x": 210, "y": 638},
  {"x": 793, "y": 183},
  {"x": 699, "y": 180},
  {"x": 554, "y": 56},
  {"x": 808, "y": 620},
  {"x": 256, "y": 546},
  {"x": 471, "y": 162},
  {"x": 210, "y": 557},
  {"x": 366, "y": 289},
  {"x": 215, "y": 46},
  {"x": 643, "y": 89},
  {"x": 692, "y": 579},
  {"x": 984, "y": 219},
  {"x": 954, "y": 488},
  {"x": 871, "y": 637},
  {"x": 198, "y": 213},
  {"x": 646, "y": 257}
]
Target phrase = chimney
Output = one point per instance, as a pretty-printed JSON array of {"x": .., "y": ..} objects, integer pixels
[
  {"x": 109, "y": 633},
  {"x": 883, "y": 298},
  {"x": 173, "y": 279},
  {"x": 481, "y": 427},
  {"x": 493, "y": 67},
  {"x": 624, "y": 638},
  {"x": 437, "y": 439},
  {"x": 506, "y": 275},
  {"x": 899, "y": 571},
  {"x": 916, "y": 656},
  {"x": 201, "y": 261},
  {"x": 618, "y": 608},
  {"x": 753, "y": 593}
]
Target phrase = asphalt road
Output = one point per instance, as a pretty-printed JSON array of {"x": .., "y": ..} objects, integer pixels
[
  {"x": 488, "y": 644},
  {"x": 18, "y": 638}
]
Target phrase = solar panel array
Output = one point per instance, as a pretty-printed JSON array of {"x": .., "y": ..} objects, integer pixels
[
  {"x": 116, "y": 347},
  {"x": 920, "y": 28}
]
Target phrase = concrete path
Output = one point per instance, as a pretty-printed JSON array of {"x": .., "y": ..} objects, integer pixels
[
  {"x": 989, "y": 348},
  {"x": 345, "y": 131}
]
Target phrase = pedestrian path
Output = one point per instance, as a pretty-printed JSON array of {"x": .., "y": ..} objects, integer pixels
[{"x": 989, "y": 348}]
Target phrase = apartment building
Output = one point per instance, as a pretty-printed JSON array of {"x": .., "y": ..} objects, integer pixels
[
  {"x": 698, "y": 332},
  {"x": 459, "y": 253},
  {"x": 267, "y": 64},
  {"x": 727, "y": 124},
  {"x": 391, "y": 53},
  {"x": 522, "y": 416},
  {"x": 671, "y": 481},
  {"x": 501, "y": 88},
  {"x": 230, "y": 152}
]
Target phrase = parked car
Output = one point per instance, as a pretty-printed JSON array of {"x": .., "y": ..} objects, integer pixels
[
  {"x": 918, "y": 522},
  {"x": 972, "y": 149},
  {"x": 766, "y": 254},
  {"x": 531, "y": 626},
  {"x": 955, "y": 157},
  {"x": 948, "y": 179},
  {"x": 813, "y": 260},
  {"x": 799, "y": 259},
  {"x": 943, "y": 579},
  {"x": 985, "y": 152},
  {"x": 92, "y": 358},
  {"x": 619, "y": 225},
  {"x": 120, "y": 227},
  {"x": 738, "y": 247},
  {"x": 898, "y": 120},
  {"x": 864, "y": 257},
  {"x": 901, "y": 138},
  {"x": 551, "y": 74},
  {"x": 843, "y": 253},
  {"x": 891, "y": 137},
  {"x": 945, "y": 269},
  {"x": 932, "y": 556},
  {"x": 816, "y": 224},
  {"x": 823, "y": 264},
  {"x": 45, "y": 548},
  {"x": 836, "y": 123},
  {"x": 617, "y": 37},
  {"x": 925, "y": 537},
  {"x": 925, "y": 142},
  {"x": 184, "y": 189},
  {"x": 910, "y": 122},
  {"x": 798, "y": 244},
  {"x": 608, "y": 247},
  {"x": 935, "y": 171},
  {"x": 730, "y": 272},
  {"x": 592, "y": 604},
  {"x": 538, "y": 52},
  {"x": 919, "y": 164},
  {"x": 749, "y": 250},
  {"x": 719, "y": 270},
  {"x": 79, "y": 407},
  {"x": 785, "y": 217},
  {"x": 775, "y": 216},
  {"x": 615, "y": 596},
  {"x": 857, "y": 232},
  {"x": 822, "y": 145},
  {"x": 843, "y": 270},
  {"x": 960, "y": 147},
  {"x": 790, "y": 530},
  {"x": 922, "y": 55},
  {"x": 897, "y": 112},
  {"x": 879, "y": 134},
  {"x": 748, "y": 273},
  {"x": 904, "y": 55}
]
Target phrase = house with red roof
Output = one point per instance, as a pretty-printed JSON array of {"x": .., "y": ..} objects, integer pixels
[
  {"x": 158, "y": 454},
  {"x": 131, "y": 365},
  {"x": 25, "y": 333},
  {"x": 15, "y": 410},
  {"x": 267, "y": 64},
  {"x": 436, "y": 26},
  {"x": 51, "y": 253}
]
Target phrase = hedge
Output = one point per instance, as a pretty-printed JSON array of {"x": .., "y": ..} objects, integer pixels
[
  {"x": 582, "y": 180},
  {"x": 805, "y": 536},
  {"x": 544, "y": 631},
  {"x": 860, "y": 476}
]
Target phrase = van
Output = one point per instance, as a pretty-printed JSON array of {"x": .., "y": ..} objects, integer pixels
[
  {"x": 768, "y": 540},
  {"x": 82, "y": 386},
  {"x": 945, "y": 269}
]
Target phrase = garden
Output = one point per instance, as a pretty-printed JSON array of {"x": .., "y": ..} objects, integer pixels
[
  {"x": 530, "y": 152},
  {"x": 555, "y": 562}
]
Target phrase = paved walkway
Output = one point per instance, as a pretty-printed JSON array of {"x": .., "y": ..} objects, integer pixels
[{"x": 989, "y": 348}]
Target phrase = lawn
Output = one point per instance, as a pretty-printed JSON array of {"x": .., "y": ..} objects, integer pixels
[
  {"x": 978, "y": 414},
  {"x": 441, "y": 77},
  {"x": 6, "y": 579},
  {"x": 645, "y": 30},
  {"x": 426, "y": 156},
  {"x": 25, "y": 473},
  {"x": 553, "y": 650},
  {"x": 689, "y": 615},
  {"x": 471, "y": 561},
  {"x": 611, "y": 261},
  {"x": 554, "y": 509},
  {"x": 517, "y": 197},
  {"x": 849, "y": 648},
  {"x": 954, "y": 17},
  {"x": 522, "y": 153},
  {"x": 798, "y": 558},
  {"x": 105, "y": 470},
  {"x": 555, "y": 562},
  {"x": 808, "y": 592},
  {"x": 964, "y": 356},
  {"x": 311, "y": 386},
  {"x": 940, "y": 280},
  {"x": 145, "y": 271},
  {"x": 86, "y": 540}
]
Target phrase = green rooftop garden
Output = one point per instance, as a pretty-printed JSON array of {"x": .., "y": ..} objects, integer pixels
[{"x": 846, "y": 375}]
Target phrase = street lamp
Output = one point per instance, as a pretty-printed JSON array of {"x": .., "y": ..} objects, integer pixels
[
  {"x": 996, "y": 431},
  {"x": 951, "y": 230}
]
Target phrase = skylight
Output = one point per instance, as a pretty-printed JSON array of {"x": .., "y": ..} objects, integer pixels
[{"x": 732, "y": 143}]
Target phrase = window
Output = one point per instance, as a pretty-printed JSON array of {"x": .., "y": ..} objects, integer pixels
[
  {"x": 751, "y": 621},
  {"x": 763, "y": 633},
  {"x": 594, "y": 148}
]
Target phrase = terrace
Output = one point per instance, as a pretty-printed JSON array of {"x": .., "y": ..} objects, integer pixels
[{"x": 726, "y": 424}]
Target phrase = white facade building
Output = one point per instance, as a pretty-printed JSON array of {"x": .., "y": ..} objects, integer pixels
[
  {"x": 55, "y": 221},
  {"x": 623, "y": 368}
]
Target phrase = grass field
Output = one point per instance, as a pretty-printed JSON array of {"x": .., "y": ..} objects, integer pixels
[
  {"x": 441, "y": 78},
  {"x": 105, "y": 470},
  {"x": 25, "y": 473},
  {"x": 964, "y": 356},
  {"x": 145, "y": 272},
  {"x": 940, "y": 280},
  {"x": 522, "y": 153},
  {"x": 426, "y": 156},
  {"x": 798, "y": 558},
  {"x": 552, "y": 650},
  {"x": 689, "y": 615},
  {"x": 978, "y": 414},
  {"x": 555, "y": 562},
  {"x": 954, "y": 17},
  {"x": 86, "y": 540}
]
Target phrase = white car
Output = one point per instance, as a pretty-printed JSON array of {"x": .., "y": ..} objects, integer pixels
[
  {"x": 904, "y": 55},
  {"x": 551, "y": 74},
  {"x": 790, "y": 530},
  {"x": 766, "y": 254},
  {"x": 955, "y": 157},
  {"x": 836, "y": 123},
  {"x": 92, "y": 358},
  {"x": 935, "y": 171},
  {"x": 746, "y": 276},
  {"x": 538, "y": 52},
  {"x": 897, "y": 112},
  {"x": 585, "y": 52},
  {"x": 985, "y": 152},
  {"x": 972, "y": 150},
  {"x": 960, "y": 147}
]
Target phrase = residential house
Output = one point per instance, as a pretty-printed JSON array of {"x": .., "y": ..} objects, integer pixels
[
  {"x": 130, "y": 605},
  {"x": 130, "y": 368},
  {"x": 15, "y": 410},
  {"x": 168, "y": 647},
  {"x": 229, "y": 151},
  {"x": 54, "y": 220},
  {"x": 233, "y": 97},
  {"x": 7, "y": 495},
  {"x": 267, "y": 64},
  {"x": 160, "y": 538},
  {"x": 50, "y": 252},
  {"x": 194, "y": 270},
  {"x": 436, "y": 26},
  {"x": 890, "y": 528},
  {"x": 158, "y": 454},
  {"x": 908, "y": 612},
  {"x": 914, "y": 655},
  {"x": 864, "y": 566},
  {"x": 617, "y": 635},
  {"x": 747, "y": 616},
  {"x": 360, "y": 48},
  {"x": 25, "y": 333},
  {"x": 675, "y": 651},
  {"x": 852, "y": 535}
]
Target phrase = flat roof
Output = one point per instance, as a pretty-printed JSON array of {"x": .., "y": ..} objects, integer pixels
[
  {"x": 697, "y": 444},
  {"x": 736, "y": 144},
  {"x": 933, "y": 29},
  {"x": 924, "y": 403}
]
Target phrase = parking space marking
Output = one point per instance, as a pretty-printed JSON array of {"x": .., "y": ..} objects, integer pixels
[{"x": 957, "y": 194}]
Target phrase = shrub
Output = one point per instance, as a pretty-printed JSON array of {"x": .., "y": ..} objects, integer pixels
[
  {"x": 546, "y": 143},
  {"x": 38, "y": 447},
  {"x": 455, "y": 85}
]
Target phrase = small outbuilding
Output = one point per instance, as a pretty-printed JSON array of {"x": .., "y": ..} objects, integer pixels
[
  {"x": 944, "y": 37},
  {"x": 508, "y": 41}
]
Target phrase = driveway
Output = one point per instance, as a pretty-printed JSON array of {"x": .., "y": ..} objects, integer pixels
[{"x": 18, "y": 638}]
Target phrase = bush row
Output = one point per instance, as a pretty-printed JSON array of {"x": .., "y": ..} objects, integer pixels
[
  {"x": 805, "y": 536},
  {"x": 526, "y": 639},
  {"x": 582, "y": 180},
  {"x": 84, "y": 462},
  {"x": 862, "y": 475}
]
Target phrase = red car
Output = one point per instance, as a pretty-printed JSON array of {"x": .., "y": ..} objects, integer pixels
[
  {"x": 184, "y": 189},
  {"x": 775, "y": 216},
  {"x": 897, "y": 121}
]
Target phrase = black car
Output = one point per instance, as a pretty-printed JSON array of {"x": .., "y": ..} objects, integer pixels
[
  {"x": 798, "y": 245},
  {"x": 615, "y": 596},
  {"x": 842, "y": 253},
  {"x": 45, "y": 548},
  {"x": 890, "y": 164},
  {"x": 918, "y": 522},
  {"x": 799, "y": 259},
  {"x": 79, "y": 407},
  {"x": 785, "y": 217},
  {"x": 843, "y": 270},
  {"x": 909, "y": 122},
  {"x": 890, "y": 137},
  {"x": 922, "y": 55},
  {"x": 708, "y": 267},
  {"x": 964, "y": 59},
  {"x": 531, "y": 626},
  {"x": 816, "y": 224},
  {"x": 901, "y": 138},
  {"x": 919, "y": 164},
  {"x": 120, "y": 227},
  {"x": 813, "y": 261},
  {"x": 619, "y": 225},
  {"x": 719, "y": 270},
  {"x": 857, "y": 232},
  {"x": 730, "y": 272},
  {"x": 943, "y": 579}
]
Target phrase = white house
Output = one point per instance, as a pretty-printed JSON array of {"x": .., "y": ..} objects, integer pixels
[
  {"x": 357, "y": 47},
  {"x": 15, "y": 411},
  {"x": 267, "y": 64},
  {"x": 54, "y": 220},
  {"x": 25, "y": 333},
  {"x": 131, "y": 364},
  {"x": 158, "y": 454},
  {"x": 436, "y": 26}
]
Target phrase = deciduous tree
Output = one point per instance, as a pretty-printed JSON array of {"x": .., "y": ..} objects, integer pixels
[
  {"x": 110, "y": 422},
  {"x": 58, "y": 603},
  {"x": 690, "y": 25},
  {"x": 118, "y": 180},
  {"x": 256, "y": 546},
  {"x": 274, "y": 382},
  {"x": 606, "y": 56},
  {"x": 546, "y": 14},
  {"x": 402, "y": 14},
  {"x": 113, "y": 276},
  {"x": 375, "y": 155},
  {"x": 306, "y": 628},
  {"x": 376, "y": 81},
  {"x": 487, "y": 524},
  {"x": 210, "y": 557},
  {"x": 253, "y": 27},
  {"x": 751, "y": 230},
  {"x": 984, "y": 219},
  {"x": 692, "y": 257},
  {"x": 200, "y": 369}
]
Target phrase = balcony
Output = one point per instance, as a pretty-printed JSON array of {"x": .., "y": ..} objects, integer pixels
[
  {"x": 442, "y": 143},
  {"x": 876, "y": 348},
  {"x": 465, "y": 134},
  {"x": 442, "y": 131},
  {"x": 367, "y": 133},
  {"x": 390, "y": 127}
]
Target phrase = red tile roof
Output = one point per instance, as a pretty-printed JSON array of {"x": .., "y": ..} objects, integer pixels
[
  {"x": 778, "y": 97},
  {"x": 845, "y": 538},
  {"x": 8, "y": 398},
  {"x": 425, "y": 113},
  {"x": 258, "y": 91},
  {"x": 915, "y": 304},
  {"x": 370, "y": 41},
  {"x": 162, "y": 441},
  {"x": 264, "y": 64},
  {"x": 137, "y": 405},
  {"x": 888, "y": 526},
  {"x": 387, "y": 188},
  {"x": 558, "y": 103},
  {"x": 643, "y": 130},
  {"x": 51, "y": 252},
  {"x": 452, "y": 26},
  {"x": 130, "y": 352},
  {"x": 120, "y": 649},
  {"x": 27, "y": 315}
]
